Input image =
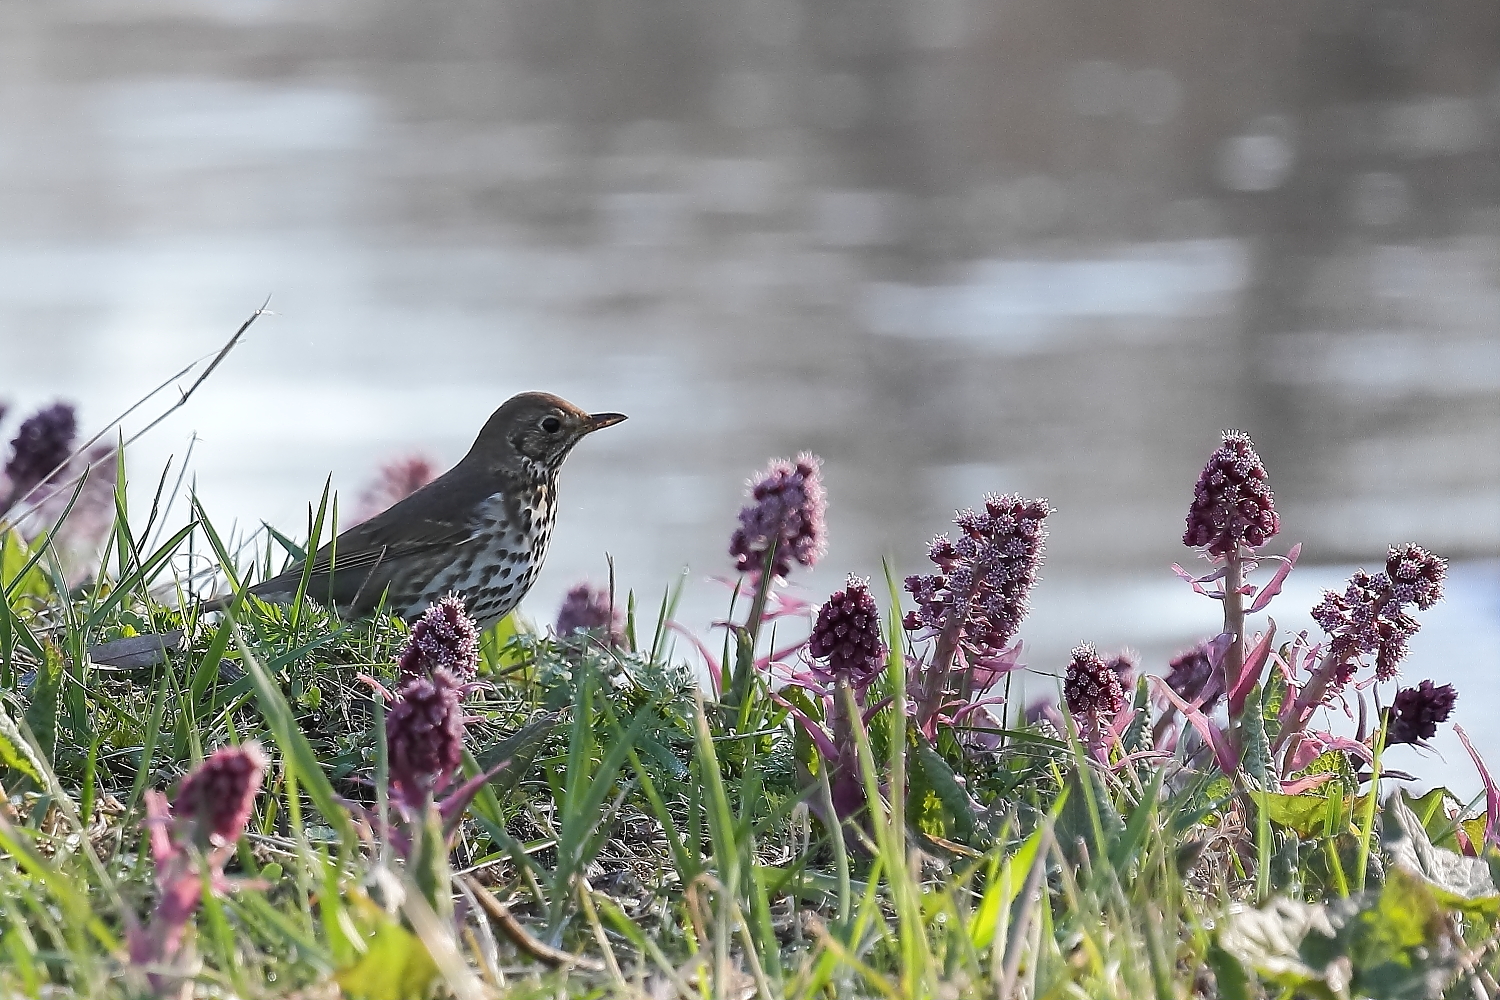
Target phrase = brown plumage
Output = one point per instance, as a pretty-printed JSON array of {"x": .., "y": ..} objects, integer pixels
[{"x": 480, "y": 529}]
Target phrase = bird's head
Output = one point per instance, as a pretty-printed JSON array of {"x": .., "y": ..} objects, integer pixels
[{"x": 536, "y": 427}]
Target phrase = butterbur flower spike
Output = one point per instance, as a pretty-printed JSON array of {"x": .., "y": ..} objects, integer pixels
[
  {"x": 985, "y": 579},
  {"x": 1233, "y": 507},
  {"x": 445, "y": 639},
  {"x": 1193, "y": 677},
  {"x": 589, "y": 609},
  {"x": 41, "y": 446},
  {"x": 1094, "y": 696},
  {"x": 847, "y": 636},
  {"x": 212, "y": 806},
  {"x": 1370, "y": 616},
  {"x": 219, "y": 795},
  {"x": 1416, "y": 575},
  {"x": 1124, "y": 665},
  {"x": 1416, "y": 712},
  {"x": 787, "y": 512},
  {"x": 1092, "y": 689},
  {"x": 424, "y": 733},
  {"x": 397, "y": 481},
  {"x": 975, "y": 604}
]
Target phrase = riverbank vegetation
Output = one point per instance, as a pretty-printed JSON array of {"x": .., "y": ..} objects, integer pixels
[{"x": 829, "y": 795}]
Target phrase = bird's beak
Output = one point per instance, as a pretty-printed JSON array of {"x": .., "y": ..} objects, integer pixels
[{"x": 598, "y": 421}]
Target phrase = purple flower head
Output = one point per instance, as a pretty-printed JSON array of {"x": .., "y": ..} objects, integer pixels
[
  {"x": 1416, "y": 712},
  {"x": 424, "y": 738},
  {"x": 43, "y": 443},
  {"x": 1416, "y": 575},
  {"x": 1125, "y": 665},
  {"x": 1232, "y": 503},
  {"x": 847, "y": 635},
  {"x": 985, "y": 575},
  {"x": 397, "y": 481},
  {"x": 1370, "y": 618},
  {"x": 445, "y": 638},
  {"x": 1193, "y": 676},
  {"x": 787, "y": 513},
  {"x": 589, "y": 609},
  {"x": 1092, "y": 690},
  {"x": 218, "y": 795}
]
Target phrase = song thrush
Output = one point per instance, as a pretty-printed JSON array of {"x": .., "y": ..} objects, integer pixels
[{"x": 480, "y": 530}]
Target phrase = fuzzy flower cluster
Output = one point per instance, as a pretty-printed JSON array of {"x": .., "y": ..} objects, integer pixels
[
  {"x": 191, "y": 841},
  {"x": 1416, "y": 712},
  {"x": 1370, "y": 616},
  {"x": 786, "y": 513},
  {"x": 396, "y": 481},
  {"x": 1193, "y": 677},
  {"x": 424, "y": 727},
  {"x": 986, "y": 574},
  {"x": 444, "y": 640},
  {"x": 41, "y": 447},
  {"x": 847, "y": 635},
  {"x": 590, "y": 609},
  {"x": 1233, "y": 506},
  {"x": 424, "y": 735},
  {"x": 1091, "y": 688},
  {"x": 218, "y": 796},
  {"x": 1125, "y": 665}
]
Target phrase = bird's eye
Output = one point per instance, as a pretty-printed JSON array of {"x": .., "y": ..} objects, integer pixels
[{"x": 551, "y": 425}]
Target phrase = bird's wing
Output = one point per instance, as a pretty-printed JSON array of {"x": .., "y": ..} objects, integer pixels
[{"x": 360, "y": 561}]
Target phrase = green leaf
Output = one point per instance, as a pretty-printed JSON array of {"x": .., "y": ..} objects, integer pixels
[
  {"x": 1076, "y": 820},
  {"x": 1255, "y": 757},
  {"x": 1271, "y": 700},
  {"x": 1455, "y": 881},
  {"x": 42, "y": 711},
  {"x": 1334, "y": 762},
  {"x": 1003, "y": 889},
  {"x": 15, "y": 752},
  {"x": 1269, "y": 942},
  {"x": 1399, "y": 947},
  {"x": 940, "y": 778},
  {"x": 20, "y": 574},
  {"x": 395, "y": 966},
  {"x": 1393, "y": 944},
  {"x": 1307, "y": 814},
  {"x": 1124, "y": 850},
  {"x": 1134, "y": 737}
]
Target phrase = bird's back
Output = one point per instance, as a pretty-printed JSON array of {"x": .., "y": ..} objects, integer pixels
[{"x": 393, "y": 550}]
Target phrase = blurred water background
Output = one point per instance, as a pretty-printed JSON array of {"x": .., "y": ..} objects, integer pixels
[{"x": 953, "y": 246}]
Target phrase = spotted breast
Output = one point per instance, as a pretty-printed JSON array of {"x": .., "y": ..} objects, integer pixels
[{"x": 496, "y": 567}]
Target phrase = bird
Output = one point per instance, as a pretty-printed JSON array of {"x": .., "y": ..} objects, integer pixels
[{"x": 480, "y": 531}]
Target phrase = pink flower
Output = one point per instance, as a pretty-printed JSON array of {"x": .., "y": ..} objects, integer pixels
[
  {"x": 1370, "y": 617},
  {"x": 397, "y": 481},
  {"x": 847, "y": 635},
  {"x": 217, "y": 797},
  {"x": 589, "y": 609},
  {"x": 985, "y": 576},
  {"x": 1092, "y": 689},
  {"x": 787, "y": 513},
  {"x": 445, "y": 638},
  {"x": 424, "y": 736},
  {"x": 212, "y": 807},
  {"x": 1232, "y": 504}
]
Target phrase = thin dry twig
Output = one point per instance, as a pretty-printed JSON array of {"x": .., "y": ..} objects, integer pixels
[
  {"x": 184, "y": 395},
  {"x": 500, "y": 914}
]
